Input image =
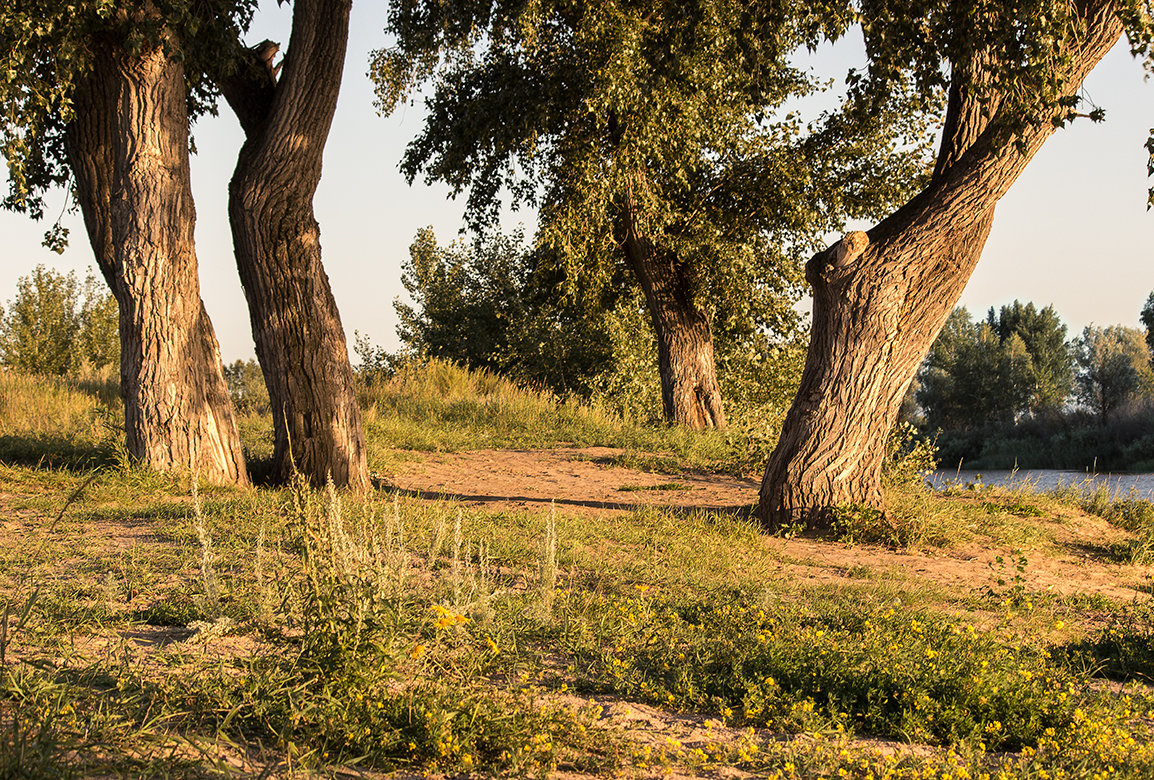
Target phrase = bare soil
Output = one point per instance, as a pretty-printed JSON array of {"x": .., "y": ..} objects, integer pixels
[{"x": 584, "y": 480}]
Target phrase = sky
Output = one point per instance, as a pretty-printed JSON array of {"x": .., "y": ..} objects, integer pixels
[{"x": 1073, "y": 231}]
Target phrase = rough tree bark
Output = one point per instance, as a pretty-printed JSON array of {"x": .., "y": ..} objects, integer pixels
[
  {"x": 690, "y": 394},
  {"x": 128, "y": 149},
  {"x": 879, "y": 302},
  {"x": 299, "y": 338}
]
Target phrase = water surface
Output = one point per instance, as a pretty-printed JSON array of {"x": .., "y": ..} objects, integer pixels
[{"x": 1119, "y": 485}]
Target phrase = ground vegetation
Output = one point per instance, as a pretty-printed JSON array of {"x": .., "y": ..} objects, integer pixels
[{"x": 212, "y": 631}]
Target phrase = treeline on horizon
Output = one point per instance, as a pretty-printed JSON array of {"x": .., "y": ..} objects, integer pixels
[{"x": 1013, "y": 391}]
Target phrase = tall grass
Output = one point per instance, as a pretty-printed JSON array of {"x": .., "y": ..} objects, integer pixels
[
  {"x": 434, "y": 405},
  {"x": 58, "y": 421}
]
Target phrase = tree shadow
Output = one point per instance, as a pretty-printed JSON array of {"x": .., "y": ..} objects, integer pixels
[
  {"x": 56, "y": 451},
  {"x": 740, "y": 511}
]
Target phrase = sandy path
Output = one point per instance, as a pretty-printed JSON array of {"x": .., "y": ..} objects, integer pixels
[
  {"x": 572, "y": 477},
  {"x": 579, "y": 480}
]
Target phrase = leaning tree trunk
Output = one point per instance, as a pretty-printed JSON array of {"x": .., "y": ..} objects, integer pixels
[
  {"x": 128, "y": 148},
  {"x": 879, "y": 302},
  {"x": 299, "y": 339},
  {"x": 690, "y": 394}
]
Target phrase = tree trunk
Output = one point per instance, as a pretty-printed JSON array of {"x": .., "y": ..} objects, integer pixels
[
  {"x": 128, "y": 148},
  {"x": 690, "y": 394},
  {"x": 299, "y": 338},
  {"x": 880, "y": 302}
]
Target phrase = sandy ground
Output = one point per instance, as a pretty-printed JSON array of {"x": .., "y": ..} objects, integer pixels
[
  {"x": 576, "y": 479},
  {"x": 581, "y": 480}
]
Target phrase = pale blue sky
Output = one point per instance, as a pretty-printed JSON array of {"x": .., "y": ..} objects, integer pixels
[{"x": 1073, "y": 231}]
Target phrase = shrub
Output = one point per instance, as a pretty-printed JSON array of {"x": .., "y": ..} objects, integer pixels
[{"x": 55, "y": 327}]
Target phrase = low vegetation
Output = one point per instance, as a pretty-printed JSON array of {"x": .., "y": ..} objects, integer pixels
[{"x": 156, "y": 628}]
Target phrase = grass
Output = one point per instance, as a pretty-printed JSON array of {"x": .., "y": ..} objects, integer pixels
[
  {"x": 156, "y": 630},
  {"x": 662, "y": 486}
]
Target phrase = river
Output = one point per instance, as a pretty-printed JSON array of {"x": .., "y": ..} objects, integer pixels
[{"x": 1120, "y": 485}]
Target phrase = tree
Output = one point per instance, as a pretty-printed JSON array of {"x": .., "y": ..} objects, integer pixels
[
  {"x": 246, "y": 387},
  {"x": 880, "y": 299},
  {"x": 99, "y": 334},
  {"x": 650, "y": 137},
  {"x": 1147, "y": 317},
  {"x": 1113, "y": 365},
  {"x": 492, "y": 304},
  {"x": 38, "y": 331},
  {"x": 1044, "y": 337},
  {"x": 51, "y": 327},
  {"x": 286, "y": 115},
  {"x": 99, "y": 91},
  {"x": 971, "y": 376}
]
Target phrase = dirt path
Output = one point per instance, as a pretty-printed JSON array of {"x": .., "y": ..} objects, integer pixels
[
  {"x": 583, "y": 480},
  {"x": 576, "y": 478}
]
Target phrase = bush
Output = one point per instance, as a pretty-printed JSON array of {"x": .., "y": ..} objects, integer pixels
[
  {"x": 56, "y": 327},
  {"x": 246, "y": 387}
]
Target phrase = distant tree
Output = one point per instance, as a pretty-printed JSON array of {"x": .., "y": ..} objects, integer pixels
[
  {"x": 1147, "y": 317},
  {"x": 56, "y": 326},
  {"x": 1113, "y": 368},
  {"x": 972, "y": 377},
  {"x": 654, "y": 139},
  {"x": 1044, "y": 337},
  {"x": 246, "y": 386},
  {"x": 38, "y": 334},
  {"x": 488, "y": 304},
  {"x": 99, "y": 316}
]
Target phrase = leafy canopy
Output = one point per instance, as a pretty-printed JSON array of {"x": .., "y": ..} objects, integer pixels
[
  {"x": 47, "y": 49},
  {"x": 971, "y": 376},
  {"x": 1113, "y": 368},
  {"x": 1014, "y": 55},
  {"x": 677, "y": 108},
  {"x": 1044, "y": 337}
]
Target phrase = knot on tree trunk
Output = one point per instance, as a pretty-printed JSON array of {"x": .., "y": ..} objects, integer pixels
[
  {"x": 838, "y": 257},
  {"x": 849, "y": 248}
]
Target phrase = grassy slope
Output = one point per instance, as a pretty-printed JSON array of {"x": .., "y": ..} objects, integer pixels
[{"x": 152, "y": 632}]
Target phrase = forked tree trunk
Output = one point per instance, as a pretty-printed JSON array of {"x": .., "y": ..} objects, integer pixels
[
  {"x": 690, "y": 394},
  {"x": 879, "y": 304},
  {"x": 128, "y": 148},
  {"x": 295, "y": 323}
]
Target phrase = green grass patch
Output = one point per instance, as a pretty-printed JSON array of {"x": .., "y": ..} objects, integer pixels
[{"x": 662, "y": 486}]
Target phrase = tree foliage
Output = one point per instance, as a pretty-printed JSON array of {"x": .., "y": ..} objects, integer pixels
[
  {"x": 1044, "y": 337},
  {"x": 675, "y": 108},
  {"x": 46, "y": 50},
  {"x": 1147, "y": 318},
  {"x": 57, "y": 326},
  {"x": 492, "y": 303},
  {"x": 971, "y": 376},
  {"x": 1113, "y": 368},
  {"x": 488, "y": 305}
]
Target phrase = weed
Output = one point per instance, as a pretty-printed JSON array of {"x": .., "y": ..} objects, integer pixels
[
  {"x": 893, "y": 673},
  {"x": 208, "y": 577},
  {"x": 1123, "y": 649},
  {"x": 1009, "y": 588},
  {"x": 21, "y": 615},
  {"x": 547, "y": 565}
]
